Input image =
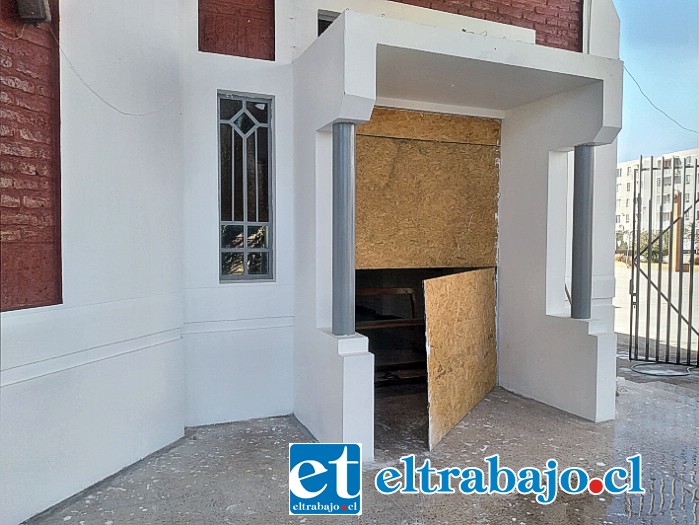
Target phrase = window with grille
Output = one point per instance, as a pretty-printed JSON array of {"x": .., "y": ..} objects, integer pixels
[{"x": 245, "y": 187}]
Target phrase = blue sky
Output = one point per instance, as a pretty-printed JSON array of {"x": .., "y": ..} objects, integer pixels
[{"x": 660, "y": 46}]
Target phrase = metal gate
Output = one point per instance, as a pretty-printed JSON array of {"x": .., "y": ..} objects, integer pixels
[{"x": 664, "y": 302}]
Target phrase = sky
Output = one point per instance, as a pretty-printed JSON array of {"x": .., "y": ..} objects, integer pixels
[{"x": 660, "y": 47}]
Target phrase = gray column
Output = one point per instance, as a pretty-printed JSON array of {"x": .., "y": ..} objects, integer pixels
[
  {"x": 343, "y": 227},
  {"x": 581, "y": 286}
]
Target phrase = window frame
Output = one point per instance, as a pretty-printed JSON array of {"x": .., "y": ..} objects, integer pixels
[{"x": 245, "y": 277}]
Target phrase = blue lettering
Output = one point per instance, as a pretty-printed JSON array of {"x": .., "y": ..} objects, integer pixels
[
  {"x": 583, "y": 480},
  {"x": 384, "y": 477},
  {"x": 445, "y": 476},
  {"x": 636, "y": 487},
  {"x": 409, "y": 477},
  {"x": 472, "y": 481},
  {"x": 609, "y": 484},
  {"x": 551, "y": 473},
  {"x": 426, "y": 472},
  {"x": 529, "y": 481},
  {"x": 494, "y": 473}
]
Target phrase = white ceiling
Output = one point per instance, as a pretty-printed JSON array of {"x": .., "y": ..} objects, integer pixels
[{"x": 444, "y": 79}]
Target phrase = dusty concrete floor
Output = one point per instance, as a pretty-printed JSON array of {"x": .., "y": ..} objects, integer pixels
[{"x": 237, "y": 473}]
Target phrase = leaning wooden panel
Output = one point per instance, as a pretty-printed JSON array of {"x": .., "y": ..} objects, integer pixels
[
  {"x": 439, "y": 127},
  {"x": 425, "y": 204},
  {"x": 461, "y": 352}
]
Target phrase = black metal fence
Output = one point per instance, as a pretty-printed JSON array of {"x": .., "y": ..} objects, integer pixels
[{"x": 664, "y": 302}]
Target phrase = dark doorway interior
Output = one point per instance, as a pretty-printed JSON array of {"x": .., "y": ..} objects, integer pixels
[{"x": 390, "y": 312}]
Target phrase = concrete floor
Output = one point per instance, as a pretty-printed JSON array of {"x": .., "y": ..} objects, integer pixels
[{"x": 237, "y": 473}]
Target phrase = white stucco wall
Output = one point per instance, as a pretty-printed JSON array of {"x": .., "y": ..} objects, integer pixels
[
  {"x": 96, "y": 383},
  {"x": 238, "y": 336},
  {"x": 542, "y": 353},
  {"x": 568, "y": 98},
  {"x": 573, "y": 366},
  {"x": 333, "y": 376},
  {"x": 148, "y": 341},
  {"x": 335, "y": 78}
]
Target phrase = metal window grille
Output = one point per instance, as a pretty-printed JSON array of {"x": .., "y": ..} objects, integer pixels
[{"x": 245, "y": 188}]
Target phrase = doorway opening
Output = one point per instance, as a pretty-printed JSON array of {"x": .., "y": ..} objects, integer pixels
[
  {"x": 426, "y": 240},
  {"x": 390, "y": 312}
]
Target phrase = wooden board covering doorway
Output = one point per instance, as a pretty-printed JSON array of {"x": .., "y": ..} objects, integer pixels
[
  {"x": 427, "y": 198},
  {"x": 427, "y": 191},
  {"x": 461, "y": 346}
]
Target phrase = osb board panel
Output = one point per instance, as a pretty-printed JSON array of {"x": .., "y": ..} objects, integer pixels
[
  {"x": 404, "y": 124},
  {"x": 461, "y": 353},
  {"x": 425, "y": 204}
]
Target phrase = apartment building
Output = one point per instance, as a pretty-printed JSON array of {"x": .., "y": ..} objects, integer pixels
[{"x": 673, "y": 173}]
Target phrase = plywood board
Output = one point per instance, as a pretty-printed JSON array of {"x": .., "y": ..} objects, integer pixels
[
  {"x": 436, "y": 127},
  {"x": 461, "y": 346},
  {"x": 423, "y": 204}
]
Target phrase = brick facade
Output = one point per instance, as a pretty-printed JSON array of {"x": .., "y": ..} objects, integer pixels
[
  {"x": 558, "y": 23},
  {"x": 30, "y": 262},
  {"x": 237, "y": 27},
  {"x": 29, "y": 111},
  {"x": 246, "y": 27}
]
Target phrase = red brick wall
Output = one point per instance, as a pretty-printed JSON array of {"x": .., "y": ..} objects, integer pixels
[
  {"x": 558, "y": 23},
  {"x": 30, "y": 258},
  {"x": 237, "y": 27},
  {"x": 246, "y": 27}
]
